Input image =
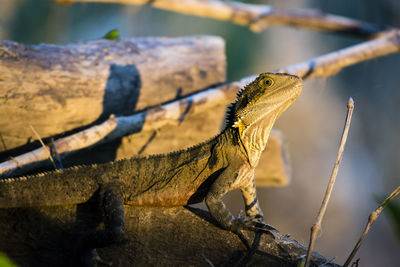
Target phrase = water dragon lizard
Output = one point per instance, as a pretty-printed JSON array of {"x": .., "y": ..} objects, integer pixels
[{"x": 206, "y": 171}]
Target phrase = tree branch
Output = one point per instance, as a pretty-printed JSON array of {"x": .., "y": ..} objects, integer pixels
[
  {"x": 256, "y": 17},
  {"x": 371, "y": 219},
  {"x": 321, "y": 213},
  {"x": 331, "y": 63}
]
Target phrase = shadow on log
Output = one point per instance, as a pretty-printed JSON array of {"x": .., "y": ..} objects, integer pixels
[
  {"x": 176, "y": 236},
  {"x": 60, "y": 88}
]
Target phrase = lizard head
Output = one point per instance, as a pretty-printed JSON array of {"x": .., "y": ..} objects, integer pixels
[{"x": 261, "y": 102}]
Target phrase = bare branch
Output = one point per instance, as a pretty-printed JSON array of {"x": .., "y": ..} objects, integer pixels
[
  {"x": 372, "y": 218},
  {"x": 154, "y": 118},
  {"x": 331, "y": 63},
  {"x": 256, "y": 17},
  {"x": 71, "y": 143},
  {"x": 317, "y": 226}
]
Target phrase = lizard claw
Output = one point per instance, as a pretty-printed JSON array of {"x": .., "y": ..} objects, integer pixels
[
  {"x": 242, "y": 238},
  {"x": 260, "y": 225},
  {"x": 251, "y": 225},
  {"x": 261, "y": 230}
]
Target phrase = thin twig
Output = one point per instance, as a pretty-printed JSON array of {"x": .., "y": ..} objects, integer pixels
[
  {"x": 372, "y": 218},
  {"x": 317, "y": 226},
  {"x": 208, "y": 260},
  {"x": 256, "y": 17},
  {"x": 44, "y": 146},
  {"x": 55, "y": 155}
]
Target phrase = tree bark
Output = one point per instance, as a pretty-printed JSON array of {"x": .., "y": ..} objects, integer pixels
[
  {"x": 61, "y": 88},
  {"x": 175, "y": 236}
]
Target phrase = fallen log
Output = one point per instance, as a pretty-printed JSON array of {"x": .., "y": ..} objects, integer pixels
[{"x": 61, "y": 88}]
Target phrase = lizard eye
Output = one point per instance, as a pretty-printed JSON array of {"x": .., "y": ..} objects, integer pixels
[{"x": 268, "y": 82}]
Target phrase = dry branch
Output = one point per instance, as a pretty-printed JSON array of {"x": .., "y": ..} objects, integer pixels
[
  {"x": 372, "y": 218},
  {"x": 331, "y": 63},
  {"x": 317, "y": 225},
  {"x": 256, "y": 17},
  {"x": 80, "y": 140},
  {"x": 171, "y": 113}
]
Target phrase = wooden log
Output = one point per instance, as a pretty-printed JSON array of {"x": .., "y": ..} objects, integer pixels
[
  {"x": 155, "y": 236},
  {"x": 60, "y": 88}
]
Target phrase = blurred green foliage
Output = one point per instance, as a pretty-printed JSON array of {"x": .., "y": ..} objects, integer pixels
[
  {"x": 112, "y": 35},
  {"x": 5, "y": 261}
]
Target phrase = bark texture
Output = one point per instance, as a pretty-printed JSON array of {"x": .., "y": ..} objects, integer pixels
[
  {"x": 175, "y": 236},
  {"x": 60, "y": 88}
]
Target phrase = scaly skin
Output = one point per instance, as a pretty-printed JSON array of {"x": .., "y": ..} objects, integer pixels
[{"x": 206, "y": 171}]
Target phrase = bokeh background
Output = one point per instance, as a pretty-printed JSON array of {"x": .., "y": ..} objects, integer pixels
[{"x": 370, "y": 166}]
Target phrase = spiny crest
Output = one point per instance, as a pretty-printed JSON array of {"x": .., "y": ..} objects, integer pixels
[
  {"x": 179, "y": 151},
  {"x": 11, "y": 180},
  {"x": 78, "y": 167},
  {"x": 231, "y": 112},
  {"x": 246, "y": 97},
  {"x": 43, "y": 174}
]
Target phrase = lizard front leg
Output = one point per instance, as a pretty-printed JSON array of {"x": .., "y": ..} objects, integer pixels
[
  {"x": 253, "y": 211},
  {"x": 112, "y": 210},
  {"x": 250, "y": 198},
  {"x": 217, "y": 208},
  {"x": 222, "y": 185}
]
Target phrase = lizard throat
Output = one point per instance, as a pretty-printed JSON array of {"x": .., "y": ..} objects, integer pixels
[{"x": 254, "y": 138}]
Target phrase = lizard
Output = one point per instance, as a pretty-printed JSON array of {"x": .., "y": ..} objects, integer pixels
[{"x": 204, "y": 172}]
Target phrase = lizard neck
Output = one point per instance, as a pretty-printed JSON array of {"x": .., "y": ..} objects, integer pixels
[{"x": 254, "y": 138}]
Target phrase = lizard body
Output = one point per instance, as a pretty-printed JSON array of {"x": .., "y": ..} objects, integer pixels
[{"x": 206, "y": 171}]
